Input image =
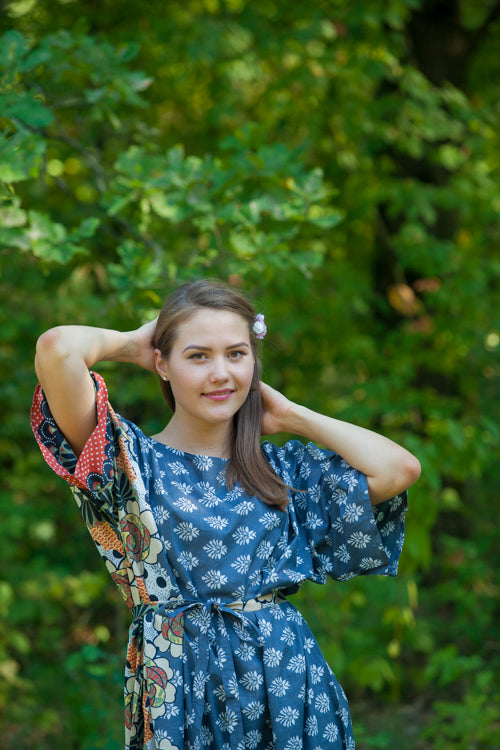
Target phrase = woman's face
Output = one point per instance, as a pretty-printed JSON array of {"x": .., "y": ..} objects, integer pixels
[{"x": 210, "y": 366}]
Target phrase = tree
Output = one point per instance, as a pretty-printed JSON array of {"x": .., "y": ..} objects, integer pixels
[{"x": 130, "y": 163}]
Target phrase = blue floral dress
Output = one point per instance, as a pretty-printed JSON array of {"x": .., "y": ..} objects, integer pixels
[{"x": 218, "y": 658}]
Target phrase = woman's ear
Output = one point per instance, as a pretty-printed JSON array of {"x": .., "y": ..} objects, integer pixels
[{"x": 160, "y": 364}]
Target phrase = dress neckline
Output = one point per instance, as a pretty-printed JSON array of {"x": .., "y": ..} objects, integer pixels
[{"x": 179, "y": 453}]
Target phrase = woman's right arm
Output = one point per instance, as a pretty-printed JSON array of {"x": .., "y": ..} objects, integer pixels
[{"x": 63, "y": 358}]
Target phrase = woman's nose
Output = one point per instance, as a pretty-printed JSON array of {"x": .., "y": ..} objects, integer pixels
[{"x": 219, "y": 369}]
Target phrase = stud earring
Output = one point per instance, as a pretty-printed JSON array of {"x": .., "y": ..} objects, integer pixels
[{"x": 164, "y": 377}]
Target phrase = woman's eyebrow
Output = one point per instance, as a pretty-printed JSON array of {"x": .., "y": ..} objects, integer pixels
[
  {"x": 209, "y": 348},
  {"x": 236, "y": 346}
]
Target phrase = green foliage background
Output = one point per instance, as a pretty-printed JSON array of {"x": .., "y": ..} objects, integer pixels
[{"x": 338, "y": 161}]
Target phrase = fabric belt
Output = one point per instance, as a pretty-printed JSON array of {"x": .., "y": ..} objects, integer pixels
[
  {"x": 172, "y": 606},
  {"x": 209, "y": 627}
]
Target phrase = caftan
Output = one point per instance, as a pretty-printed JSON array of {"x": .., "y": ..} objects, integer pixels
[{"x": 218, "y": 658}]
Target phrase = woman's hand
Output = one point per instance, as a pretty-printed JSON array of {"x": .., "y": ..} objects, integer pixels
[
  {"x": 141, "y": 345},
  {"x": 275, "y": 408}
]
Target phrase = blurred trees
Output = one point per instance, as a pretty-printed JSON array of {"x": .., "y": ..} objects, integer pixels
[{"x": 337, "y": 160}]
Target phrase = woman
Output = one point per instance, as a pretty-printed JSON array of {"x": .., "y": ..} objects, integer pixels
[{"x": 206, "y": 532}]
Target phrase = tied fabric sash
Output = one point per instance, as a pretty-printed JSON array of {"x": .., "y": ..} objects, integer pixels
[{"x": 202, "y": 634}]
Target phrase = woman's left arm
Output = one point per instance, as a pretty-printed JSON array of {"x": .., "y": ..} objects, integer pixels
[{"x": 389, "y": 468}]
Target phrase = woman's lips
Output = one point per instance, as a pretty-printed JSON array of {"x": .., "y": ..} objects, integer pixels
[{"x": 219, "y": 395}]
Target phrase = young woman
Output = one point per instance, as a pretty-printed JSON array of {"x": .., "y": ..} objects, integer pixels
[{"x": 206, "y": 532}]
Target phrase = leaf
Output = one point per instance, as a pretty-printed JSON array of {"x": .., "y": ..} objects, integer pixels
[
  {"x": 13, "y": 215},
  {"x": 119, "y": 202},
  {"x": 28, "y": 108},
  {"x": 86, "y": 229},
  {"x": 21, "y": 156},
  {"x": 14, "y": 47},
  {"x": 166, "y": 208},
  {"x": 242, "y": 245},
  {"x": 324, "y": 217}
]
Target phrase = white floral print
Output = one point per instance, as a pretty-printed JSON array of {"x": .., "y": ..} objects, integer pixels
[
  {"x": 187, "y": 531},
  {"x": 288, "y": 716},
  {"x": 353, "y": 512},
  {"x": 279, "y": 687},
  {"x": 188, "y": 560},
  {"x": 245, "y": 651},
  {"x": 184, "y": 503},
  {"x": 311, "y": 727},
  {"x": 331, "y": 732},
  {"x": 270, "y": 520},
  {"x": 216, "y": 522},
  {"x": 244, "y": 535},
  {"x": 214, "y": 579},
  {"x": 252, "y": 680},
  {"x": 272, "y": 657},
  {"x": 297, "y": 663},
  {"x": 254, "y": 710},
  {"x": 359, "y": 539},
  {"x": 227, "y": 721},
  {"x": 215, "y": 549}
]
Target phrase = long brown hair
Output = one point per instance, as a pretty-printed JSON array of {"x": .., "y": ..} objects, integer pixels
[{"x": 247, "y": 463}]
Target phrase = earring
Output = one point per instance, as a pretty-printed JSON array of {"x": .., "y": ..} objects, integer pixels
[{"x": 164, "y": 377}]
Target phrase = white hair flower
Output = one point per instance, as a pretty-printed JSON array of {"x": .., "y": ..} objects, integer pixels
[{"x": 259, "y": 327}]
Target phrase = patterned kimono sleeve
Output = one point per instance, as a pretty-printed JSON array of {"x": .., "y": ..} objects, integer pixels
[
  {"x": 343, "y": 532},
  {"x": 92, "y": 476}
]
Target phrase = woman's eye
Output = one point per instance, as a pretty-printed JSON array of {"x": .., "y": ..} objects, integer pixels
[{"x": 201, "y": 356}]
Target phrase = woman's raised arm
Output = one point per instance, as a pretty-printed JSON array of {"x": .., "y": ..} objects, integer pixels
[
  {"x": 63, "y": 357},
  {"x": 389, "y": 467}
]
